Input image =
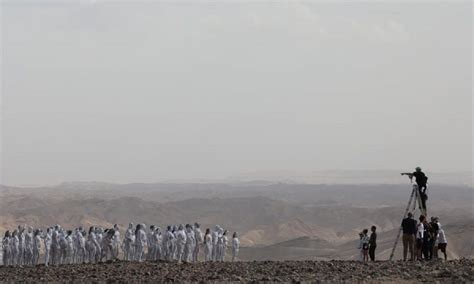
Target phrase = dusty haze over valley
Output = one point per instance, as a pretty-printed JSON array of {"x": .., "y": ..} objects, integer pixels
[
  {"x": 288, "y": 122},
  {"x": 152, "y": 91}
]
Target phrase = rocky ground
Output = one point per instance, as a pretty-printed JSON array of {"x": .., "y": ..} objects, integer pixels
[{"x": 455, "y": 271}]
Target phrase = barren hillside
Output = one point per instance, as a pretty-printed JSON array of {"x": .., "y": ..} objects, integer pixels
[{"x": 274, "y": 221}]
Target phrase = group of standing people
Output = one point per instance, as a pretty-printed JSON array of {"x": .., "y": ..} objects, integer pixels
[
  {"x": 180, "y": 243},
  {"x": 24, "y": 245},
  {"x": 367, "y": 244},
  {"x": 424, "y": 239},
  {"x": 421, "y": 239}
]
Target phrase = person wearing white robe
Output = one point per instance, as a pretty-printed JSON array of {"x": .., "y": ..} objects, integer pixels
[
  {"x": 220, "y": 246},
  {"x": 198, "y": 241},
  {"x": 223, "y": 246},
  {"x": 151, "y": 243},
  {"x": 69, "y": 248},
  {"x": 91, "y": 246},
  {"x": 140, "y": 242},
  {"x": 129, "y": 243},
  {"x": 180, "y": 242},
  {"x": 55, "y": 247},
  {"x": 28, "y": 253},
  {"x": 36, "y": 247},
  {"x": 116, "y": 242},
  {"x": 62, "y": 248},
  {"x": 173, "y": 244},
  {"x": 48, "y": 240},
  {"x": 21, "y": 245},
  {"x": 235, "y": 246},
  {"x": 15, "y": 248},
  {"x": 165, "y": 245},
  {"x": 7, "y": 249},
  {"x": 158, "y": 243},
  {"x": 215, "y": 239},
  {"x": 190, "y": 243},
  {"x": 208, "y": 245},
  {"x": 80, "y": 243}
]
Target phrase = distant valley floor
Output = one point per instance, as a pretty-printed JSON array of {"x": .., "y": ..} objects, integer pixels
[{"x": 456, "y": 271}]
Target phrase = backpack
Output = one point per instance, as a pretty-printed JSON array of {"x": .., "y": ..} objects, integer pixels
[{"x": 427, "y": 230}]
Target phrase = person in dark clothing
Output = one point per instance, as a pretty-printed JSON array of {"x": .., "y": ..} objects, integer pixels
[
  {"x": 434, "y": 229},
  {"x": 372, "y": 243},
  {"x": 409, "y": 232},
  {"x": 427, "y": 241},
  {"x": 421, "y": 180}
]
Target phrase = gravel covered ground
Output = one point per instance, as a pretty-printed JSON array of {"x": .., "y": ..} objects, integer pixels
[{"x": 456, "y": 271}]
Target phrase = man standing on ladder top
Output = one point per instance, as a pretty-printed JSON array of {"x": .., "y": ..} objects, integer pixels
[{"x": 421, "y": 180}]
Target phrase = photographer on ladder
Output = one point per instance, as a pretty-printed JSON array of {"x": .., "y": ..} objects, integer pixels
[{"x": 421, "y": 180}]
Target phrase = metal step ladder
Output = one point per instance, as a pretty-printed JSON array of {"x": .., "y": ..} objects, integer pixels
[{"x": 414, "y": 197}]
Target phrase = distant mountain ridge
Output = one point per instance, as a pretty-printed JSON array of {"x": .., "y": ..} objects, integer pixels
[{"x": 262, "y": 178}]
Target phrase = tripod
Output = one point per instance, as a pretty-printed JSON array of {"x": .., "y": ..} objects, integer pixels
[{"x": 414, "y": 197}]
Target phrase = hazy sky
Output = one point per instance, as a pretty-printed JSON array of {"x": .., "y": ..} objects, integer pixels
[{"x": 147, "y": 91}]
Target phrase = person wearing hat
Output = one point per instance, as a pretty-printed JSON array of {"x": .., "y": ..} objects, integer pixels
[
  {"x": 421, "y": 180},
  {"x": 409, "y": 232}
]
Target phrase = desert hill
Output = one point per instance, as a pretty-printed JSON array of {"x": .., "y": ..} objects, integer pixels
[{"x": 274, "y": 221}]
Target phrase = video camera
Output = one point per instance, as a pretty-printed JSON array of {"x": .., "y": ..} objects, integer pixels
[{"x": 410, "y": 175}]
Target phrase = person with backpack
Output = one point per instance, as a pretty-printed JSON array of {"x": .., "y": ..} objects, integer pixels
[
  {"x": 421, "y": 180},
  {"x": 426, "y": 240}
]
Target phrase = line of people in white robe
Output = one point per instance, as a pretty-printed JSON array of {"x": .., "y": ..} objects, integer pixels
[
  {"x": 24, "y": 246},
  {"x": 179, "y": 243}
]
